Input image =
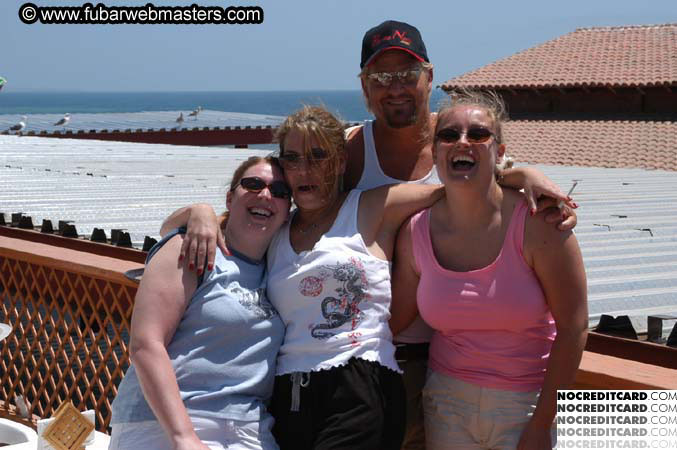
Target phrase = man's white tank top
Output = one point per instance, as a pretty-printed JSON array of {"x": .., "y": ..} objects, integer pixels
[{"x": 373, "y": 176}]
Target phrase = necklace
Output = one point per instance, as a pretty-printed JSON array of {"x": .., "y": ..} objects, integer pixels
[
  {"x": 307, "y": 230},
  {"x": 315, "y": 225}
]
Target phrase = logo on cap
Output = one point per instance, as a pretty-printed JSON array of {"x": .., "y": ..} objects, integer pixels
[{"x": 401, "y": 35}]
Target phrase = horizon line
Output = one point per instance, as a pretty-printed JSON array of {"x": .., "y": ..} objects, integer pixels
[{"x": 49, "y": 91}]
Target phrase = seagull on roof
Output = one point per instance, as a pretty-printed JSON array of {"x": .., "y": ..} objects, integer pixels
[
  {"x": 195, "y": 112},
  {"x": 179, "y": 119},
  {"x": 63, "y": 121},
  {"x": 22, "y": 406},
  {"x": 19, "y": 127}
]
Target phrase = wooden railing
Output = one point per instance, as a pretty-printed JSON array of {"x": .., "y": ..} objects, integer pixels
[{"x": 70, "y": 314}]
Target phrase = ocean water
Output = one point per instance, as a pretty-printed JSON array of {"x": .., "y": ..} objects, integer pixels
[{"x": 349, "y": 105}]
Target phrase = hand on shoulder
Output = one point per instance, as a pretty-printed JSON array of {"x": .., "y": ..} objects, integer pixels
[{"x": 540, "y": 236}]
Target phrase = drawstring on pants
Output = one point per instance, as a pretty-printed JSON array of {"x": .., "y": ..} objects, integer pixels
[{"x": 298, "y": 380}]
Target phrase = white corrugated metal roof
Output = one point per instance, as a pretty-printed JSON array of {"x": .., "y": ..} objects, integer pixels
[
  {"x": 627, "y": 225},
  {"x": 110, "y": 184}
]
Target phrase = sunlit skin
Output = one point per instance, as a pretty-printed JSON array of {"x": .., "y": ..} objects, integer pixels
[
  {"x": 453, "y": 159},
  {"x": 400, "y": 105},
  {"x": 315, "y": 190},
  {"x": 258, "y": 213}
]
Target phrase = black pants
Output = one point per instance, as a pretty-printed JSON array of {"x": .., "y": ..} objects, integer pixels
[{"x": 359, "y": 406}]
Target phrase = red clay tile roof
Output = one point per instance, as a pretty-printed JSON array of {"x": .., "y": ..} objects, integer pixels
[
  {"x": 598, "y": 143},
  {"x": 627, "y": 56}
]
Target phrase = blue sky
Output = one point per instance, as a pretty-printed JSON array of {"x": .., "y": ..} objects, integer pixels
[{"x": 302, "y": 45}]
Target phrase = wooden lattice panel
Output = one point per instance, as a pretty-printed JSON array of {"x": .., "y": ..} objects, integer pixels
[{"x": 70, "y": 335}]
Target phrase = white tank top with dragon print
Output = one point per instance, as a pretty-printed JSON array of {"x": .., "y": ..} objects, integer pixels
[{"x": 333, "y": 299}]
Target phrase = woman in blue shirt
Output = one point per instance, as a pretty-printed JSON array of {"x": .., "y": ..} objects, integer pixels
[{"x": 203, "y": 346}]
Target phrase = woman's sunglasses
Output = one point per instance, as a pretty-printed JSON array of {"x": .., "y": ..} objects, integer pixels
[
  {"x": 278, "y": 189},
  {"x": 474, "y": 135}
]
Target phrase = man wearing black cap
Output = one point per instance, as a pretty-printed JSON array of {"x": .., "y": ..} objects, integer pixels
[{"x": 396, "y": 79}]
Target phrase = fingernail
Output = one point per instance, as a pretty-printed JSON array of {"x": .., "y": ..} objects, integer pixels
[
  {"x": 532, "y": 212},
  {"x": 191, "y": 266},
  {"x": 210, "y": 267},
  {"x": 180, "y": 257},
  {"x": 199, "y": 271},
  {"x": 575, "y": 205},
  {"x": 564, "y": 216}
]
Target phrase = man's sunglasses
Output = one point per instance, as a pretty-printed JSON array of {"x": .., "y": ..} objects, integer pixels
[
  {"x": 294, "y": 160},
  {"x": 278, "y": 189},
  {"x": 406, "y": 77},
  {"x": 474, "y": 135}
]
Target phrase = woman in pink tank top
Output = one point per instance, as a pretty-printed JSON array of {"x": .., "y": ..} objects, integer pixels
[{"x": 505, "y": 292}]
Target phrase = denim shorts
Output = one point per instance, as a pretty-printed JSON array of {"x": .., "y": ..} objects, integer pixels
[
  {"x": 466, "y": 416},
  {"x": 216, "y": 434}
]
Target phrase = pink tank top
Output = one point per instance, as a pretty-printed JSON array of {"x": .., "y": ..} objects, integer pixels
[{"x": 492, "y": 326}]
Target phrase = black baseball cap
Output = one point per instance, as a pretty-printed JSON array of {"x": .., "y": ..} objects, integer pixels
[{"x": 392, "y": 35}]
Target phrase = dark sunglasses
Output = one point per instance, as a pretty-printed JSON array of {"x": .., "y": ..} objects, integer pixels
[
  {"x": 474, "y": 135},
  {"x": 294, "y": 160},
  {"x": 278, "y": 189}
]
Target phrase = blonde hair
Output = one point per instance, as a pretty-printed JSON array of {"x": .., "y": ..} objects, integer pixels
[
  {"x": 316, "y": 122},
  {"x": 490, "y": 101}
]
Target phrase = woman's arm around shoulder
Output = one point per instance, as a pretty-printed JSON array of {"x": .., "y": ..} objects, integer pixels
[
  {"x": 384, "y": 209},
  {"x": 556, "y": 259},
  {"x": 403, "y": 308},
  {"x": 166, "y": 286}
]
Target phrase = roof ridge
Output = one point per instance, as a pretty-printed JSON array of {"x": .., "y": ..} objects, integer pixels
[
  {"x": 620, "y": 56},
  {"x": 626, "y": 27}
]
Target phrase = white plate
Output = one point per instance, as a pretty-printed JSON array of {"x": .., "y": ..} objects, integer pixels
[{"x": 4, "y": 330}]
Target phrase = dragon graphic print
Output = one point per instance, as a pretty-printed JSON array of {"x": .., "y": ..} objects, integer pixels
[{"x": 343, "y": 306}]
